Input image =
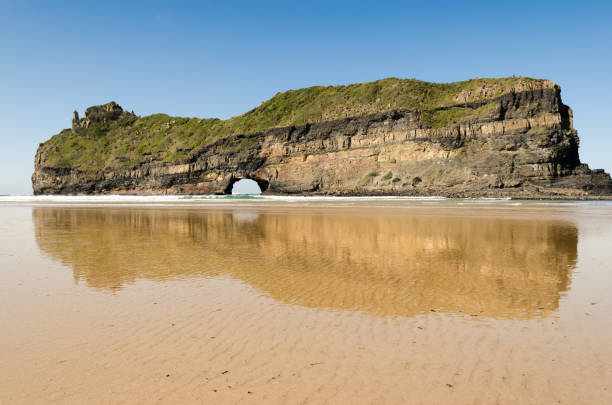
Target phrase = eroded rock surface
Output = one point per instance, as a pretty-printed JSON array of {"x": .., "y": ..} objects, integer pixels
[{"x": 521, "y": 144}]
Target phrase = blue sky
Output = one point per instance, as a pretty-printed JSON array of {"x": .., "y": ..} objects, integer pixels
[{"x": 220, "y": 59}]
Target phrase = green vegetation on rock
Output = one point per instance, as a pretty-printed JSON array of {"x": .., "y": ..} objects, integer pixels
[
  {"x": 457, "y": 115},
  {"x": 370, "y": 175},
  {"x": 109, "y": 137}
]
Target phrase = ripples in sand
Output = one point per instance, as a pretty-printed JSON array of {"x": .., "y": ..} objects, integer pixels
[{"x": 243, "y": 303}]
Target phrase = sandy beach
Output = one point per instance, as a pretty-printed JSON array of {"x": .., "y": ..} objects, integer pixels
[{"x": 374, "y": 301}]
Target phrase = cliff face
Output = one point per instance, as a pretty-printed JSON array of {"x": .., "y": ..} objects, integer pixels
[{"x": 484, "y": 139}]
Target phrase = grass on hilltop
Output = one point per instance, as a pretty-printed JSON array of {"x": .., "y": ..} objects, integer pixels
[{"x": 130, "y": 140}]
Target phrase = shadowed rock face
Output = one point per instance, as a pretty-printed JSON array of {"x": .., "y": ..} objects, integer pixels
[
  {"x": 520, "y": 144},
  {"x": 393, "y": 263}
]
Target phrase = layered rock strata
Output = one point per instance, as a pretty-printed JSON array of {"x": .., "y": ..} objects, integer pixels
[{"x": 519, "y": 144}]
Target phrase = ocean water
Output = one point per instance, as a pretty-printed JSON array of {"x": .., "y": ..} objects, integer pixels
[{"x": 263, "y": 299}]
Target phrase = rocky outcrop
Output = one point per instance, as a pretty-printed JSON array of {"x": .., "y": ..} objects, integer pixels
[{"x": 518, "y": 144}]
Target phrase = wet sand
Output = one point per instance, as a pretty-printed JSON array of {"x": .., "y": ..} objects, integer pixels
[{"x": 425, "y": 302}]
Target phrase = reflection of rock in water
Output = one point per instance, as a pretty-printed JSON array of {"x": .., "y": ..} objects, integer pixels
[
  {"x": 383, "y": 264},
  {"x": 245, "y": 216}
]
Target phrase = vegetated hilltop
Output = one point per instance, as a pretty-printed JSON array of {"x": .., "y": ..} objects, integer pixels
[
  {"x": 391, "y": 136},
  {"x": 109, "y": 137}
]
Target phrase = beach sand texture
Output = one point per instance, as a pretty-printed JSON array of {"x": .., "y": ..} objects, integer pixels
[{"x": 388, "y": 302}]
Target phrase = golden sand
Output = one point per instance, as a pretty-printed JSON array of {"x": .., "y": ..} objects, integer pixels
[{"x": 395, "y": 302}]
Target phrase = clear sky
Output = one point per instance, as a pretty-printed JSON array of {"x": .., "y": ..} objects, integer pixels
[{"x": 220, "y": 59}]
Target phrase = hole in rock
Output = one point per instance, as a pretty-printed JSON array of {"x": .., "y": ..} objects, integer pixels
[{"x": 245, "y": 186}]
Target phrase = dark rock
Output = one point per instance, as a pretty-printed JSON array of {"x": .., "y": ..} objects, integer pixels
[{"x": 525, "y": 147}]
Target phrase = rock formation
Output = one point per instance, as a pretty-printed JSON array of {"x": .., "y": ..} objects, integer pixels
[
  {"x": 484, "y": 137},
  {"x": 75, "y": 118}
]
